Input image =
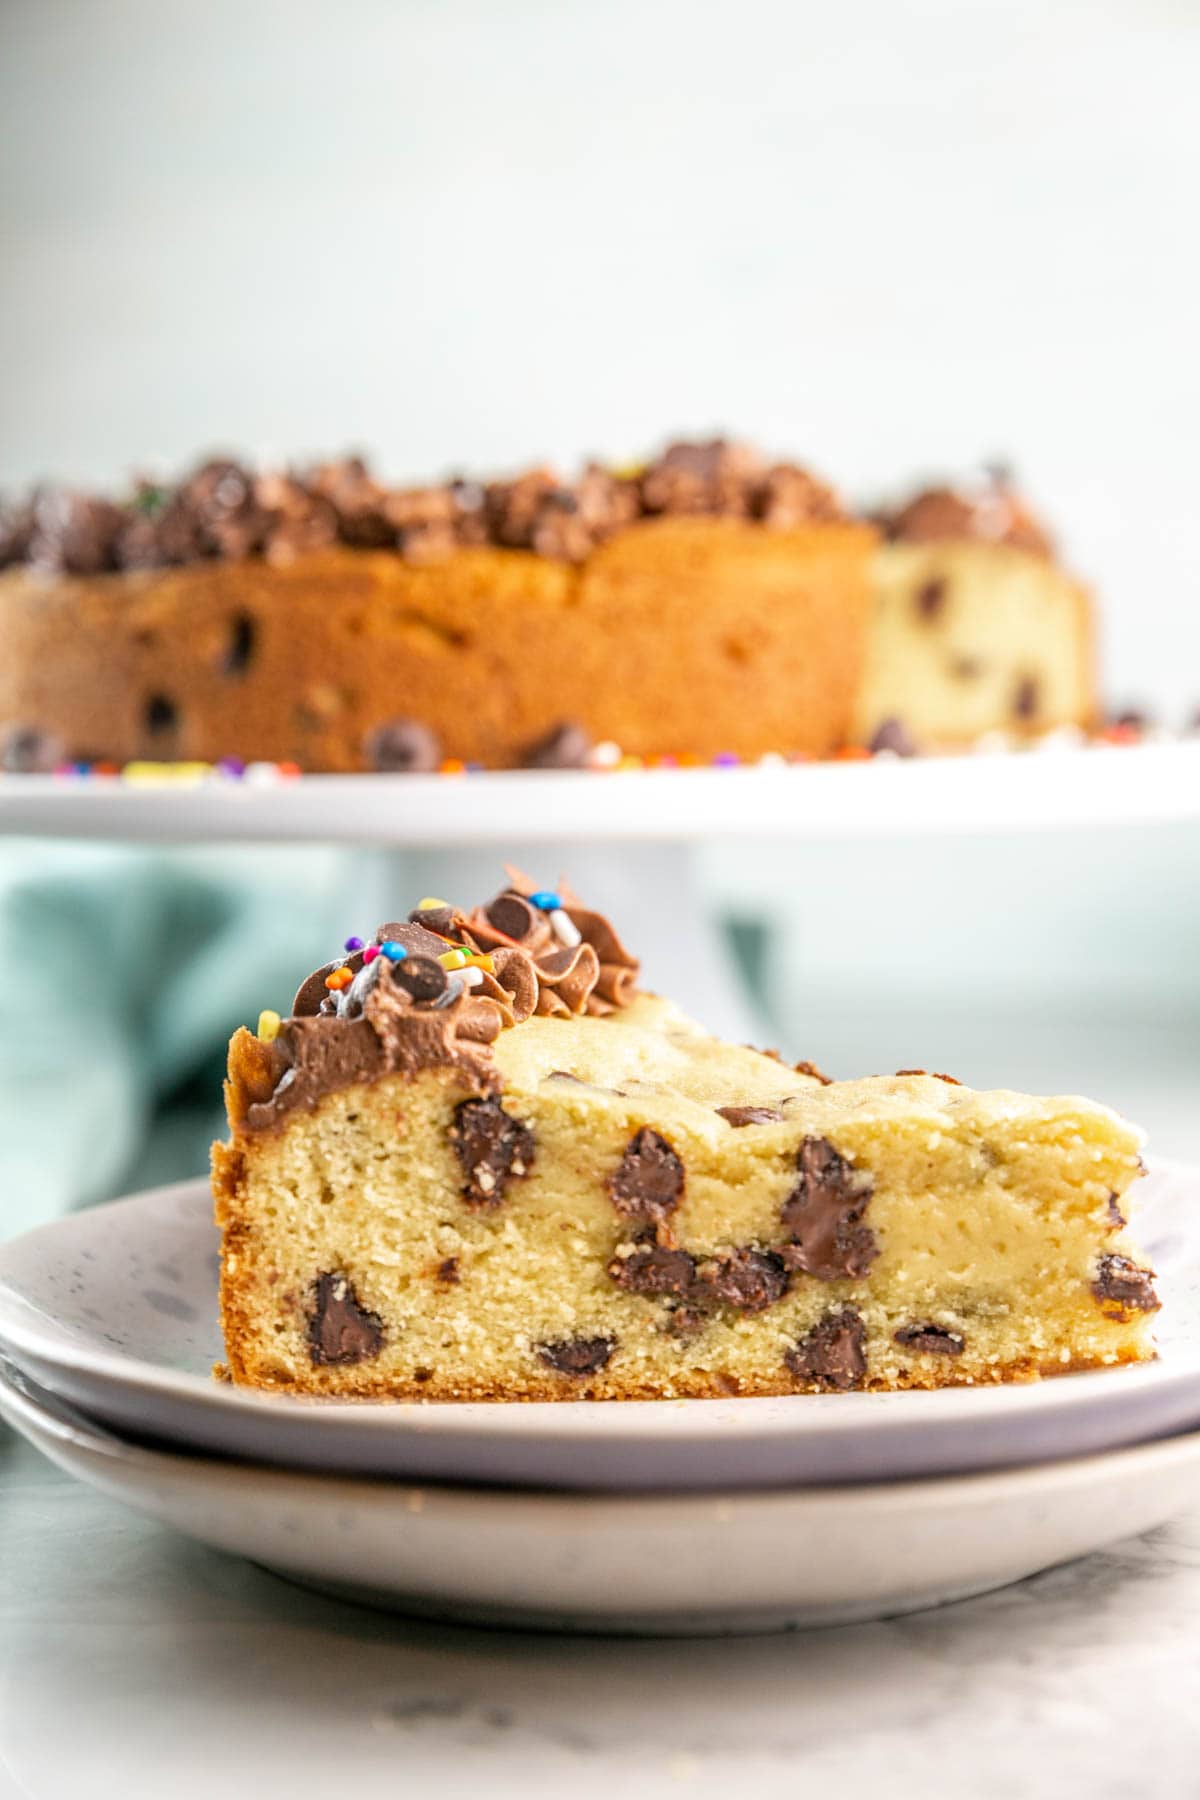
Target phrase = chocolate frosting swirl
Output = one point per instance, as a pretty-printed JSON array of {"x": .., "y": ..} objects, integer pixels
[{"x": 399, "y": 1017}]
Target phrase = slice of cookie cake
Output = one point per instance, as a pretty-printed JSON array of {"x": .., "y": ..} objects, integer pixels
[{"x": 476, "y": 1163}]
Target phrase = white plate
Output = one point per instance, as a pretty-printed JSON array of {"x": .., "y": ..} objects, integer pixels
[
  {"x": 1099, "y": 785},
  {"x": 667, "y": 1563},
  {"x": 115, "y": 1309}
]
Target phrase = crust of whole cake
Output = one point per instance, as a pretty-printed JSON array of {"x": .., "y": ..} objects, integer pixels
[
  {"x": 684, "y": 1219},
  {"x": 658, "y": 639},
  {"x": 970, "y": 637}
]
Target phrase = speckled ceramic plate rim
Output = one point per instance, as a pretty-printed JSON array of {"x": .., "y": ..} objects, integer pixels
[
  {"x": 639, "y": 1444},
  {"x": 626, "y": 1563}
]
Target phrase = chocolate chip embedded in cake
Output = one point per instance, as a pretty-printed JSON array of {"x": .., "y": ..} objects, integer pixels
[
  {"x": 892, "y": 737},
  {"x": 653, "y": 1269},
  {"x": 822, "y": 1215},
  {"x": 648, "y": 1182},
  {"x": 25, "y": 750},
  {"x": 1124, "y": 1288},
  {"x": 751, "y": 1280},
  {"x": 832, "y": 1355},
  {"x": 1026, "y": 704},
  {"x": 930, "y": 1340},
  {"x": 931, "y": 598},
  {"x": 750, "y": 1115},
  {"x": 341, "y": 1329},
  {"x": 565, "y": 746},
  {"x": 546, "y": 1185},
  {"x": 493, "y": 1148},
  {"x": 402, "y": 747},
  {"x": 577, "y": 1356}
]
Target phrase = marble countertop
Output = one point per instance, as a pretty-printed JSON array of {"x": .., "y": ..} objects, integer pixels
[{"x": 134, "y": 1663}]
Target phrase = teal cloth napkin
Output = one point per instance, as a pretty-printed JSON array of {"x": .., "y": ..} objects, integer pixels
[{"x": 127, "y": 970}]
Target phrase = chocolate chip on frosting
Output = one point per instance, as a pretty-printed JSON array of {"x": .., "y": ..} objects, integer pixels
[
  {"x": 1123, "y": 1288},
  {"x": 421, "y": 976},
  {"x": 988, "y": 512},
  {"x": 833, "y": 1354},
  {"x": 425, "y": 521},
  {"x": 652, "y": 1269},
  {"x": 340, "y": 1328},
  {"x": 402, "y": 746},
  {"x": 787, "y": 496},
  {"x": 294, "y": 520},
  {"x": 648, "y": 1182},
  {"x": 441, "y": 920},
  {"x": 312, "y": 991},
  {"x": 73, "y": 534},
  {"x": 751, "y": 1280},
  {"x": 750, "y": 1115},
  {"x": 538, "y": 511},
  {"x": 823, "y": 1216},
  {"x": 16, "y": 529},
  {"x": 512, "y": 914},
  {"x": 577, "y": 1356},
  {"x": 931, "y": 1340},
  {"x": 357, "y": 500},
  {"x": 716, "y": 478},
  {"x": 492, "y": 1147}
]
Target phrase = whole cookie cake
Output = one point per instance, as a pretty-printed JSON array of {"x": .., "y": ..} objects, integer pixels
[{"x": 708, "y": 604}]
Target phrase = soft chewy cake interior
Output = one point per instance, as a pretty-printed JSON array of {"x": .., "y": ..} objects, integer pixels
[
  {"x": 975, "y": 627},
  {"x": 477, "y": 1163}
]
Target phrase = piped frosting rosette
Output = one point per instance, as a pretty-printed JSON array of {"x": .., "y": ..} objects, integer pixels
[
  {"x": 434, "y": 990},
  {"x": 580, "y": 964}
]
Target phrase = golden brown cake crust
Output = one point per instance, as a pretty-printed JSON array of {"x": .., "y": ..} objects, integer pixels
[{"x": 656, "y": 640}]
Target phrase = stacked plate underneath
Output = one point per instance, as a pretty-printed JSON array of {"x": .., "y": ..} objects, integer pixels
[{"x": 665, "y": 1516}]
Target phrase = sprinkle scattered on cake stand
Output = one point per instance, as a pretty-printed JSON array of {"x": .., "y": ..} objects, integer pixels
[{"x": 1120, "y": 776}]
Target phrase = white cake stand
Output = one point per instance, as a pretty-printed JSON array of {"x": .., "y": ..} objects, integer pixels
[{"x": 629, "y": 840}]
